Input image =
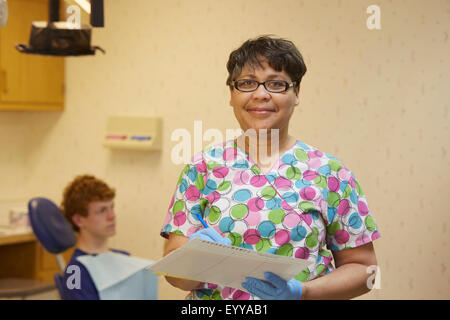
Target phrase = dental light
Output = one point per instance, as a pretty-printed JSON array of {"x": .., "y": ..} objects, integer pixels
[{"x": 64, "y": 38}]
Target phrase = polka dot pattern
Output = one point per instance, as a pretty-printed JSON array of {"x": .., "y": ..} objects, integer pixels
[{"x": 309, "y": 202}]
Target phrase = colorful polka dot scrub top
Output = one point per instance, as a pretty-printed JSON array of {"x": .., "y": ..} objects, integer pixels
[{"x": 307, "y": 204}]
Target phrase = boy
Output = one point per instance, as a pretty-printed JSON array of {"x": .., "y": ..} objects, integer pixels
[{"x": 88, "y": 204}]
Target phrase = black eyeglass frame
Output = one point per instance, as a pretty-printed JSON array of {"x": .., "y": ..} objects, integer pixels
[{"x": 287, "y": 85}]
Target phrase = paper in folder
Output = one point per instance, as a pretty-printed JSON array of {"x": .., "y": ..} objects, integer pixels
[{"x": 225, "y": 265}]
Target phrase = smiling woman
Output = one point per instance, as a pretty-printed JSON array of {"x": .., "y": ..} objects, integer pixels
[
  {"x": 278, "y": 66},
  {"x": 261, "y": 108},
  {"x": 294, "y": 200}
]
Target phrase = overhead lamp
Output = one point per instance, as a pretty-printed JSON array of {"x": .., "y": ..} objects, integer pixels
[{"x": 63, "y": 38}]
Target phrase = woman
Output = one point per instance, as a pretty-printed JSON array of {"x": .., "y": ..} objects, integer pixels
[{"x": 270, "y": 192}]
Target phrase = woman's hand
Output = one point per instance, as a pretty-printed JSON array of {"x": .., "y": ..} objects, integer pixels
[
  {"x": 174, "y": 242},
  {"x": 210, "y": 234},
  {"x": 274, "y": 287}
]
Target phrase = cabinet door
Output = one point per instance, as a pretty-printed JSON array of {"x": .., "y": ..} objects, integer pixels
[
  {"x": 25, "y": 78},
  {"x": 46, "y": 264}
]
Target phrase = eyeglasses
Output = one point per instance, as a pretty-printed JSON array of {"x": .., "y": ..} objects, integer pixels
[{"x": 276, "y": 86}]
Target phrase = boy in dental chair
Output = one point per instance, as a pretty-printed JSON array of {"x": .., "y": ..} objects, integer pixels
[{"x": 88, "y": 204}]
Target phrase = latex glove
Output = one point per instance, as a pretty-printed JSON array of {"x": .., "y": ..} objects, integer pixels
[
  {"x": 210, "y": 234},
  {"x": 275, "y": 288}
]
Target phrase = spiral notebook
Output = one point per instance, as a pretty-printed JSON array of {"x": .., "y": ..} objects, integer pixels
[{"x": 225, "y": 265}]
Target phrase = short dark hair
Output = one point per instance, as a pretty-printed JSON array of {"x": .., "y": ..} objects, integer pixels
[
  {"x": 281, "y": 55},
  {"x": 83, "y": 190}
]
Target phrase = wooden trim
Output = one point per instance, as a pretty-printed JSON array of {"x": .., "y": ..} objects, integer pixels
[
  {"x": 17, "y": 238},
  {"x": 31, "y": 107}
]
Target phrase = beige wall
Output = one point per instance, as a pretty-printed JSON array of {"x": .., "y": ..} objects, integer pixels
[{"x": 377, "y": 99}]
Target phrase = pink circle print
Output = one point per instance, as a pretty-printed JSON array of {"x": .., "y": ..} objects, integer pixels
[
  {"x": 362, "y": 208},
  {"x": 258, "y": 181},
  {"x": 307, "y": 193},
  {"x": 291, "y": 220},
  {"x": 282, "y": 237},
  {"x": 333, "y": 184},
  {"x": 255, "y": 204},
  {"x": 229, "y": 154},
  {"x": 220, "y": 172},
  {"x": 252, "y": 236},
  {"x": 179, "y": 218},
  {"x": 241, "y": 295},
  {"x": 192, "y": 193},
  {"x": 240, "y": 178},
  {"x": 310, "y": 175},
  {"x": 253, "y": 218},
  {"x": 283, "y": 183},
  {"x": 343, "y": 207},
  {"x": 302, "y": 253},
  {"x": 341, "y": 236}
]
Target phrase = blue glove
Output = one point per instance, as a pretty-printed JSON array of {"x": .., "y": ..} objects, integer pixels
[
  {"x": 275, "y": 288},
  {"x": 210, "y": 234}
]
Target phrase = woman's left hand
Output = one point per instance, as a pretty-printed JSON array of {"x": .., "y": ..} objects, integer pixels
[{"x": 274, "y": 287}]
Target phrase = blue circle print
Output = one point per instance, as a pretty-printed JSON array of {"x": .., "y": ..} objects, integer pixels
[
  {"x": 192, "y": 174},
  {"x": 355, "y": 221},
  {"x": 289, "y": 159},
  {"x": 300, "y": 183},
  {"x": 240, "y": 164},
  {"x": 242, "y": 195},
  {"x": 298, "y": 233},
  {"x": 197, "y": 209},
  {"x": 274, "y": 203},
  {"x": 183, "y": 185},
  {"x": 216, "y": 153},
  {"x": 354, "y": 197},
  {"x": 324, "y": 170},
  {"x": 290, "y": 196},
  {"x": 211, "y": 186},
  {"x": 167, "y": 228},
  {"x": 226, "y": 225},
  {"x": 267, "y": 229}
]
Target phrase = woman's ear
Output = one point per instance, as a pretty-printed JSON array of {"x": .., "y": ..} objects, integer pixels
[
  {"x": 297, "y": 92},
  {"x": 231, "y": 94}
]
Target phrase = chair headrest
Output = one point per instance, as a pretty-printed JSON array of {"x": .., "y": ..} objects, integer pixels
[{"x": 50, "y": 226}]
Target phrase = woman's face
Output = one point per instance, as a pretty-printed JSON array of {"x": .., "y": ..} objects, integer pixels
[{"x": 261, "y": 109}]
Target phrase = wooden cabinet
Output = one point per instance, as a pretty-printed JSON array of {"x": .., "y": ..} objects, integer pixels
[
  {"x": 46, "y": 265},
  {"x": 28, "y": 82},
  {"x": 23, "y": 256}
]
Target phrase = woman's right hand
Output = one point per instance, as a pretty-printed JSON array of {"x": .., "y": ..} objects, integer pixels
[
  {"x": 174, "y": 242},
  {"x": 210, "y": 234}
]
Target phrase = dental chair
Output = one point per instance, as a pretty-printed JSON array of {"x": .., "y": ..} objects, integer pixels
[
  {"x": 53, "y": 231},
  {"x": 56, "y": 235}
]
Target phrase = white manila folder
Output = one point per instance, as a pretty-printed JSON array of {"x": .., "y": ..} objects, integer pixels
[{"x": 225, "y": 265}]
